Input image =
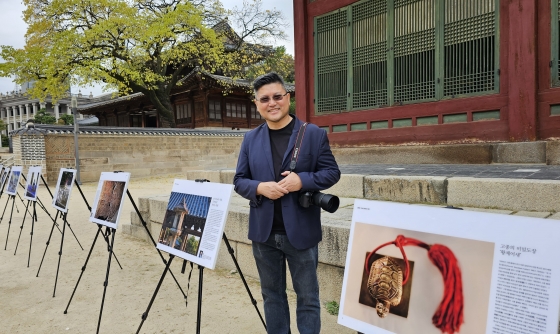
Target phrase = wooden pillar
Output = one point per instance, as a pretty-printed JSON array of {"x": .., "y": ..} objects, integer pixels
[
  {"x": 522, "y": 67},
  {"x": 303, "y": 40}
]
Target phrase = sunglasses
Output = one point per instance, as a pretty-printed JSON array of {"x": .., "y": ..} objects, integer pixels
[{"x": 266, "y": 99}]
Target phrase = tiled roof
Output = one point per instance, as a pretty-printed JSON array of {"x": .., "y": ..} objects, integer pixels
[
  {"x": 220, "y": 79},
  {"x": 105, "y": 130}
]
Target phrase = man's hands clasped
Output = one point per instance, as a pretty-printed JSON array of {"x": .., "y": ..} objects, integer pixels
[{"x": 275, "y": 190}]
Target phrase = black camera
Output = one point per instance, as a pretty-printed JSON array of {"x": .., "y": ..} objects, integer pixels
[{"x": 327, "y": 202}]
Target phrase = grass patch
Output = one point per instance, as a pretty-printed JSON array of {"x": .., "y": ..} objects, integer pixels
[{"x": 332, "y": 307}]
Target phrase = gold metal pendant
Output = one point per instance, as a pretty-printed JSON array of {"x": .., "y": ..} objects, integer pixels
[{"x": 385, "y": 284}]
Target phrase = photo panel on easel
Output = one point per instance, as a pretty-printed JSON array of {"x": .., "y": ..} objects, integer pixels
[
  {"x": 32, "y": 185},
  {"x": 13, "y": 180},
  {"x": 194, "y": 221},
  {"x": 63, "y": 189},
  {"x": 108, "y": 199},
  {"x": 4, "y": 177}
]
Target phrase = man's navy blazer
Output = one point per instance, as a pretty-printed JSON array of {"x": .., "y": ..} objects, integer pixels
[{"x": 316, "y": 167}]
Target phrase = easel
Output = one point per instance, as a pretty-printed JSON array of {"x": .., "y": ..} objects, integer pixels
[
  {"x": 34, "y": 219},
  {"x": 109, "y": 231},
  {"x": 65, "y": 223},
  {"x": 200, "y": 282},
  {"x": 13, "y": 198}
]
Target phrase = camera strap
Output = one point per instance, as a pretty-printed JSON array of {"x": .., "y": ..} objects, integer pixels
[{"x": 299, "y": 140}]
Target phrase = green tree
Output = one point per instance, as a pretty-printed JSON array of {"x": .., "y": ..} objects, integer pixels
[
  {"x": 142, "y": 46},
  {"x": 192, "y": 245},
  {"x": 67, "y": 119},
  {"x": 279, "y": 61},
  {"x": 42, "y": 117}
]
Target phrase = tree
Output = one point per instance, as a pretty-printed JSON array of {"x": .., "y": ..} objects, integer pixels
[
  {"x": 279, "y": 61},
  {"x": 42, "y": 117},
  {"x": 142, "y": 46},
  {"x": 67, "y": 119}
]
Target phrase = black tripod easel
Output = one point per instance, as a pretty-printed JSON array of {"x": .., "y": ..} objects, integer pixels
[
  {"x": 34, "y": 219},
  {"x": 200, "y": 283},
  {"x": 110, "y": 244}
]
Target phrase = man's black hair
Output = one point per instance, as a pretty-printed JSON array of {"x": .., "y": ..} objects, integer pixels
[{"x": 266, "y": 79}]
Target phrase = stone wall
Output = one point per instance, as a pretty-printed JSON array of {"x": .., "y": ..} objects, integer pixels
[
  {"x": 29, "y": 150},
  {"x": 141, "y": 155}
]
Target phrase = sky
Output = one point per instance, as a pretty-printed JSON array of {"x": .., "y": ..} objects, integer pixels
[{"x": 12, "y": 32}]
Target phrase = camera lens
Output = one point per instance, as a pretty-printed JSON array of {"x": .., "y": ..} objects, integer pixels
[{"x": 327, "y": 202}]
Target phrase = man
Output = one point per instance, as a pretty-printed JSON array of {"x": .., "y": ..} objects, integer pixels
[{"x": 279, "y": 227}]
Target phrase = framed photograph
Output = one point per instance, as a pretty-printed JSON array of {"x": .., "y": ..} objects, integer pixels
[
  {"x": 107, "y": 206},
  {"x": 4, "y": 177},
  {"x": 13, "y": 180},
  {"x": 416, "y": 269},
  {"x": 194, "y": 221},
  {"x": 63, "y": 189},
  {"x": 32, "y": 184}
]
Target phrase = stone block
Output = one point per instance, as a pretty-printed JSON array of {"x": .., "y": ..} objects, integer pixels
[
  {"x": 555, "y": 216},
  {"x": 330, "y": 282},
  {"x": 553, "y": 152},
  {"x": 334, "y": 246},
  {"x": 532, "y": 214},
  {"x": 237, "y": 226},
  {"x": 349, "y": 185},
  {"x": 226, "y": 176},
  {"x": 212, "y": 175},
  {"x": 135, "y": 231},
  {"x": 503, "y": 212},
  {"x": 428, "y": 154},
  {"x": 246, "y": 260},
  {"x": 519, "y": 153},
  {"x": 158, "y": 208},
  {"x": 135, "y": 219},
  {"x": 224, "y": 259},
  {"x": 505, "y": 194},
  {"x": 406, "y": 189}
]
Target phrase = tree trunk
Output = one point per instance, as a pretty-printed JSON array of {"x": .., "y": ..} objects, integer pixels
[{"x": 162, "y": 102}]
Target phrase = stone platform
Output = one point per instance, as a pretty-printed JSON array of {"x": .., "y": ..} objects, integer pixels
[{"x": 533, "y": 191}]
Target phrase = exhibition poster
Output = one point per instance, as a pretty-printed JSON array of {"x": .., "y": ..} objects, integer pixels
[
  {"x": 418, "y": 269},
  {"x": 32, "y": 184},
  {"x": 63, "y": 189},
  {"x": 4, "y": 177},
  {"x": 13, "y": 180},
  {"x": 110, "y": 193},
  {"x": 194, "y": 221}
]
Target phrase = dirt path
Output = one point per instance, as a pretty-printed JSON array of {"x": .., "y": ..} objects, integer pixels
[{"x": 27, "y": 304}]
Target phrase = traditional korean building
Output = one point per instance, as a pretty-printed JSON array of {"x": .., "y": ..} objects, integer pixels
[
  {"x": 431, "y": 71},
  {"x": 201, "y": 99}
]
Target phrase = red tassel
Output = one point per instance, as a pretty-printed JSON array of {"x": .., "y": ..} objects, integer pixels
[{"x": 449, "y": 315}]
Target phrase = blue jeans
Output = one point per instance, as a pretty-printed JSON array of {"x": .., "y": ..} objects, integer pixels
[{"x": 271, "y": 259}]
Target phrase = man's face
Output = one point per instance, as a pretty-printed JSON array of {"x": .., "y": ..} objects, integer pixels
[{"x": 275, "y": 111}]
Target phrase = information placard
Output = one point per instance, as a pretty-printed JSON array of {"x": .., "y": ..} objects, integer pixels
[
  {"x": 13, "y": 180},
  {"x": 194, "y": 221},
  {"x": 32, "y": 184},
  {"x": 467, "y": 272}
]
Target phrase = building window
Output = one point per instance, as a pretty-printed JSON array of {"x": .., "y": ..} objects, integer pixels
[
  {"x": 236, "y": 109},
  {"x": 214, "y": 110},
  {"x": 184, "y": 113},
  {"x": 136, "y": 121},
  {"x": 254, "y": 113},
  {"x": 555, "y": 40},
  {"x": 374, "y": 53}
]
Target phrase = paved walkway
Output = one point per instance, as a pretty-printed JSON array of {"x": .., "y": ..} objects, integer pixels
[{"x": 505, "y": 171}]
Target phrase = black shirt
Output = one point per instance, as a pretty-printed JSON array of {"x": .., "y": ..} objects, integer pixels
[{"x": 279, "y": 140}]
